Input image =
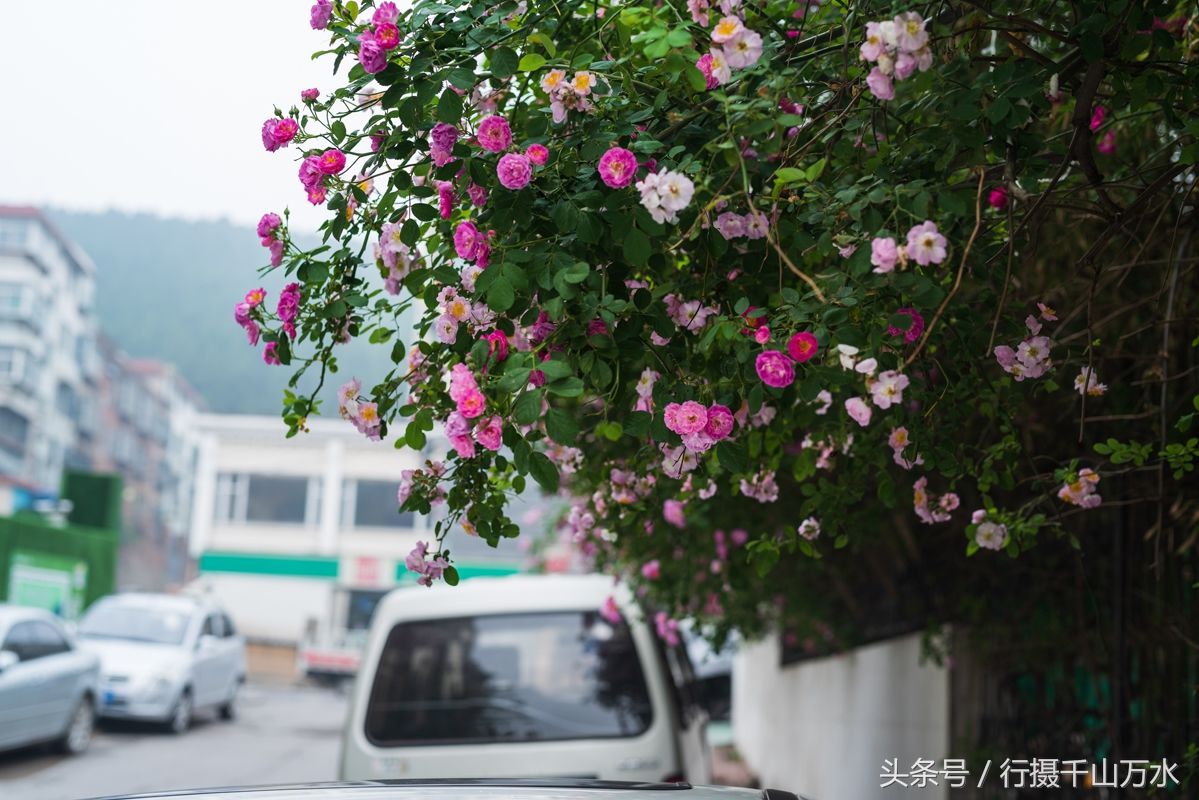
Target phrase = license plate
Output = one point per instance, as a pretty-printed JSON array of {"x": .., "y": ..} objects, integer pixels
[{"x": 111, "y": 698}]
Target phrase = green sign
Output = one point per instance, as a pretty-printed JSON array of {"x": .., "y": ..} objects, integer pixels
[{"x": 53, "y": 582}]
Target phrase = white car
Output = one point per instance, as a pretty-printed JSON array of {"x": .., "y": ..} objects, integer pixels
[
  {"x": 164, "y": 656},
  {"x": 47, "y": 686},
  {"x": 522, "y": 677}
]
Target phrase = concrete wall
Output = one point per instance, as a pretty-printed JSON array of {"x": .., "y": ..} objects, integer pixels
[{"x": 823, "y": 728}]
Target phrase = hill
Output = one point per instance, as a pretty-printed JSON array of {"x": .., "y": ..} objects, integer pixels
[{"x": 166, "y": 290}]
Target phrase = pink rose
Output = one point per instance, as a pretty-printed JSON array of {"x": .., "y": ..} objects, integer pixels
[
  {"x": 617, "y": 167},
  {"x": 802, "y": 346},
  {"x": 774, "y": 369},
  {"x": 514, "y": 171},
  {"x": 494, "y": 134},
  {"x": 539, "y": 154},
  {"x": 489, "y": 432},
  {"x": 880, "y": 85},
  {"x": 858, "y": 410},
  {"x": 720, "y": 421},
  {"x": 884, "y": 253},
  {"x": 332, "y": 161},
  {"x": 467, "y": 240}
]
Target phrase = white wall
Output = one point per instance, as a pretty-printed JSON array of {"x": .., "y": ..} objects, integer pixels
[
  {"x": 269, "y": 608},
  {"x": 823, "y": 728}
]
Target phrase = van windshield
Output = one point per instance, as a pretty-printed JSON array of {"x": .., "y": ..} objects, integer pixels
[{"x": 507, "y": 678}]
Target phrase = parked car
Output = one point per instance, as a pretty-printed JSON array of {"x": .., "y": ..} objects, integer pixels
[
  {"x": 164, "y": 656},
  {"x": 475, "y": 790},
  {"x": 48, "y": 687},
  {"x": 521, "y": 677}
]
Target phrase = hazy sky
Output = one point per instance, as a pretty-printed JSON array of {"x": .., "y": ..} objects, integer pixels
[{"x": 144, "y": 105}]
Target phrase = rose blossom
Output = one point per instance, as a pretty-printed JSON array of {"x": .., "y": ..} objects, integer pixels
[
  {"x": 858, "y": 410},
  {"x": 883, "y": 254},
  {"x": 514, "y": 171},
  {"x": 539, "y": 154},
  {"x": 802, "y": 346},
  {"x": 494, "y": 134},
  {"x": 617, "y": 167},
  {"x": 914, "y": 329},
  {"x": 774, "y": 369}
]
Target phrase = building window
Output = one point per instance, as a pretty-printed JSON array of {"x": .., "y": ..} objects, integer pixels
[
  {"x": 274, "y": 499},
  {"x": 12, "y": 232},
  {"x": 373, "y": 504},
  {"x": 12, "y": 364},
  {"x": 14, "y": 432}
]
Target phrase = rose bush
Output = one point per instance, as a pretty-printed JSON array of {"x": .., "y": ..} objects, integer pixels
[{"x": 756, "y": 284}]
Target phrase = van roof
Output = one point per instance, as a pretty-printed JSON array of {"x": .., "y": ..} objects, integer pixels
[{"x": 509, "y": 594}]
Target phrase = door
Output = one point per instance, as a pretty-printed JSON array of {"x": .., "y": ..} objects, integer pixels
[
  {"x": 56, "y": 662},
  {"x": 26, "y": 704},
  {"x": 208, "y": 664},
  {"x": 693, "y": 720},
  {"x": 233, "y": 660}
]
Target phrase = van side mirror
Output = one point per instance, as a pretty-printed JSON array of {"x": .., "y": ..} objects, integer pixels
[{"x": 8, "y": 659}]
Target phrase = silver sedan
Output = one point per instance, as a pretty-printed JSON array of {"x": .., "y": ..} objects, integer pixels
[{"x": 47, "y": 686}]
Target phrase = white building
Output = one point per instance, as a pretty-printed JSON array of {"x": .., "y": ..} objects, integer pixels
[
  {"x": 300, "y": 537},
  {"x": 49, "y": 366}
]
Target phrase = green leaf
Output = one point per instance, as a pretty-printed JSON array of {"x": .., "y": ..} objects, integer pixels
[
  {"x": 450, "y": 576},
  {"x": 731, "y": 455},
  {"x": 527, "y": 408},
  {"x": 531, "y": 61},
  {"x": 414, "y": 437},
  {"x": 503, "y": 62},
  {"x": 449, "y": 107},
  {"x": 637, "y": 423},
  {"x": 544, "y": 472},
  {"x": 576, "y": 272},
  {"x": 500, "y": 295},
  {"x": 554, "y": 368},
  {"x": 636, "y": 247},
  {"x": 566, "y": 387},
  {"x": 787, "y": 175},
  {"x": 561, "y": 426}
]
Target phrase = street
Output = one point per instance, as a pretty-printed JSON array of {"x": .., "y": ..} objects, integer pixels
[{"x": 281, "y": 735}]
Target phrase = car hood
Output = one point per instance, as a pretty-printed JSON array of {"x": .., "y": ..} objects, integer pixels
[{"x": 134, "y": 659}]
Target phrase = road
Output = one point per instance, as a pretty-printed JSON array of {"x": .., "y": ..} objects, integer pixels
[{"x": 281, "y": 735}]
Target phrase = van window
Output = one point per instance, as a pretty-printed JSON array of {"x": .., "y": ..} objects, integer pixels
[{"x": 507, "y": 678}]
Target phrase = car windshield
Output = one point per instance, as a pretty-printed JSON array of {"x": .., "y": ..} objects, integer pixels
[
  {"x": 136, "y": 623},
  {"x": 507, "y": 678}
]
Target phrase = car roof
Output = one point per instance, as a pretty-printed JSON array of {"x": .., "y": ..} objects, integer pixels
[
  {"x": 458, "y": 789},
  {"x": 508, "y": 594},
  {"x": 169, "y": 602},
  {"x": 10, "y": 614}
]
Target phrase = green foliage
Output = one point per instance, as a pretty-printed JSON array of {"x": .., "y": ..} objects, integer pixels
[{"x": 616, "y": 310}]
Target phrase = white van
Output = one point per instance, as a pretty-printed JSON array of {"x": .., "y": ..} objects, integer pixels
[{"x": 522, "y": 677}]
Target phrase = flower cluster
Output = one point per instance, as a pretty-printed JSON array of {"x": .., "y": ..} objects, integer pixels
[
  {"x": 734, "y": 46},
  {"x": 1087, "y": 382},
  {"x": 699, "y": 427},
  {"x": 931, "y": 509},
  {"x": 761, "y": 487},
  {"x": 375, "y": 43},
  {"x": 424, "y": 483},
  {"x": 363, "y": 414},
  {"x": 393, "y": 255},
  {"x": 277, "y": 133},
  {"x": 1031, "y": 358},
  {"x": 320, "y": 14},
  {"x": 270, "y": 233},
  {"x": 925, "y": 245},
  {"x": 429, "y": 569},
  {"x": 753, "y": 225},
  {"x": 1079, "y": 489},
  {"x": 243, "y": 314},
  {"x": 315, "y": 171},
  {"x": 665, "y": 193},
  {"x": 471, "y": 244},
  {"x": 897, "y": 47},
  {"x": 488, "y": 431},
  {"x": 899, "y": 440},
  {"x": 568, "y": 95},
  {"x": 442, "y": 138},
  {"x": 289, "y": 308},
  {"x": 690, "y": 315}
]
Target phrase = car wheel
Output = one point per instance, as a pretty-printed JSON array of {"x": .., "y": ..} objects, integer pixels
[
  {"x": 181, "y": 716},
  {"x": 228, "y": 710},
  {"x": 79, "y": 732}
]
